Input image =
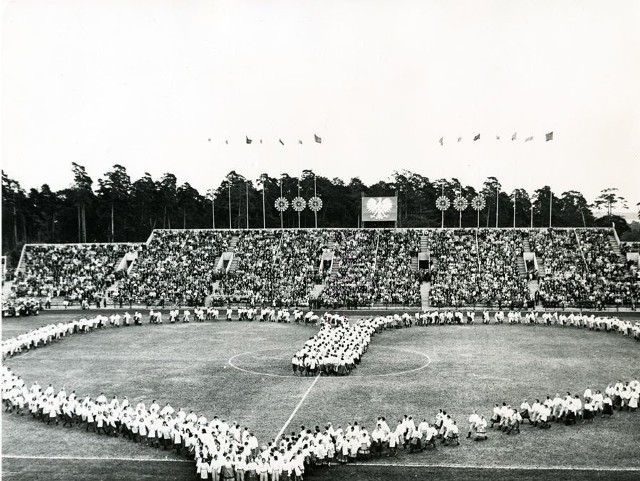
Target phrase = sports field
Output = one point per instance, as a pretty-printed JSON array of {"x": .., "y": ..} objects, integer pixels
[{"x": 241, "y": 372}]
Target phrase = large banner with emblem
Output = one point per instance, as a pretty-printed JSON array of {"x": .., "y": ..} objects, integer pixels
[{"x": 379, "y": 209}]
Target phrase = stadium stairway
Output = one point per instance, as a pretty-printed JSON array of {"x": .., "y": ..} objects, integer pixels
[
  {"x": 6, "y": 289},
  {"x": 541, "y": 269},
  {"x": 526, "y": 245},
  {"x": 424, "y": 244},
  {"x": 615, "y": 247},
  {"x": 522, "y": 270},
  {"x": 533, "y": 287},
  {"x": 425, "y": 287},
  {"x": 233, "y": 243},
  {"x": 316, "y": 291},
  {"x": 414, "y": 262}
]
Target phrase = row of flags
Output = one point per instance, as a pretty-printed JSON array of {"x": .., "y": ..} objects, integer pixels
[
  {"x": 548, "y": 136},
  {"x": 316, "y": 139}
]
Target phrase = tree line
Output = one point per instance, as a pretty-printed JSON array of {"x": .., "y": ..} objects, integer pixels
[{"x": 118, "y": 209}]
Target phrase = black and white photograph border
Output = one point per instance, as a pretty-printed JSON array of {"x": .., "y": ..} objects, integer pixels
[{"x": 320, "y": 240}]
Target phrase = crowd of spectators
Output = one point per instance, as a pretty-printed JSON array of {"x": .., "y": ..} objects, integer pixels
[
  {"x": 562, "y": 282},
  {"x": 471, "y": 267},
  {"x": 74, "y": 271},
  {"x": 351, "y": 284},
  {"x": 395, "y": 280},
  {"x": 581, "y": 268},
  {"x": 176, "y": 267},
  {"x": 279, "y": 268},
  {"x": 609, "y": 279},
  {"x": 275, "y": 267}
]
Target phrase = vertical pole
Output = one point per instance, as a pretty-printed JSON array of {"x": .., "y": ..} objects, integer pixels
[
  {"x": 315, "y": 212},
  {"x": 298, "y": 196},
  {"x": 531, "y": 208},
  {"x": 442, "y": 211},
  {"x": 112, "y": 226},
  {"x": 229, "y": 191},
  {"x": 264, "y": 219},
  {"x": 514, "y": 209},
  {"x": 478, "y": 211},
  {"x": 281, "y": 223},
  {"x": 497, "y": 203},
  {"x": 213, "y": 212},
  {"x": 460, "y": 211},
  {"x": 247, "y": 197},
  {"x": 550, "y": 205}
]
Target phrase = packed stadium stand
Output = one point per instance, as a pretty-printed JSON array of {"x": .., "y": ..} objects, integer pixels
[
  {"x": 74, "y": 271},
  {"x": 330, "y": 268}
]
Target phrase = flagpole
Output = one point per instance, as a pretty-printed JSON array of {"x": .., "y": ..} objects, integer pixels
[
  {"x": 281, "y": 225},
  {"x": 315, "y": 212},
  {"x": 460, "y": 211},
  {"x": 550, "y": 205},
  {"x": 298, "y": 196},
  {"x": 229, "y": 188},
  {"x": 247, "y": 196},
  {"x": 531, "y": 208},
  {"x": 442, "y": 211},
  {"x": 514, "y": 208},
  {"x": 264, "y": 220},
  {"x": 213, "y": 211},
  {"x": 497, "y": 203}
]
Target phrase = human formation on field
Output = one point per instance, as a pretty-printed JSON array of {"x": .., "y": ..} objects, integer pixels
[{"x": 226, "y": 450}]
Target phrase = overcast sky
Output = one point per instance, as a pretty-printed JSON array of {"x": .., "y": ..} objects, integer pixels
[{"x": 146, "y": 83}]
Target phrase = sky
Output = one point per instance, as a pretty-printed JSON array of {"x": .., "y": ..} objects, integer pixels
[{"x": 146, "y": 84}]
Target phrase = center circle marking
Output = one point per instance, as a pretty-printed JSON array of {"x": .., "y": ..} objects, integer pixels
[{"x": 232, "y": 360}]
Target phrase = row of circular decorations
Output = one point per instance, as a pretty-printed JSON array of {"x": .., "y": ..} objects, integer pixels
[
  {"x": 460, "y": 203},
  {"x": 299, "y": 204}
]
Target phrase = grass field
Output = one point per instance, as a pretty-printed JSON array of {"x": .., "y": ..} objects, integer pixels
[{"x": 412, "y": 371}]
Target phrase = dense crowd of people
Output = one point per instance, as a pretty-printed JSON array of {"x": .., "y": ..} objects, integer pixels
[
  {"x": 471, "y": 267},
  {"x": 275, "y": 267},
  {"x": 395, "y": 280},
  {"x": 371, "y": 267},
  {"x": 350, "y": 284},
  {"x": 74, "y": 271},
  {"x": 177, "y": 267},
  {"x": 581, "y": 268}
]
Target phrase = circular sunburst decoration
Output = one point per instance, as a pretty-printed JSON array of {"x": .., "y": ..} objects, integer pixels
[
  {"x": 443, "y": 203},
  {"x": 315, "y": 204},
  {"x": 478, "y": 202},
  {"x": 460, "y": 203},
  {"x": 282, "y": 204},
  {"x": 298, "y": 204}
]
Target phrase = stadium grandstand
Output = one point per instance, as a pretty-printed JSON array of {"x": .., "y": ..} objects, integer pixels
[{"x": 340, "y": 268}]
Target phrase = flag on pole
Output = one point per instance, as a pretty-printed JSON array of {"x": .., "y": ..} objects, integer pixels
[
  {"x": 281, "y": 142},
  {"x": 513, "y": 137},
  {"x": 260, "y": 140},
  {"x": 317, "y": 139},
  {"x": 497, "y": 137},
  {"x": 210, "y": 138},
  {"x": 226, "y": 142},
  {"x": 300, "y": 141},
  {"x": 528, "y": 139},
  {"x": 459, "y": 139},
  {"x": 477, "y": 137},
  {"x": 441, "y": 141},
  {"x": 549, "y": 136},
  {"x": 248, "y": 140}
]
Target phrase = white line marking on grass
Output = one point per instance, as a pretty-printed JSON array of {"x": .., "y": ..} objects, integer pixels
[
  {"x": 512, "y": 468},
  {"x": 96, "y": 458},
  {"x": 259, "y": 373},
  {"x": 297, "y": 407}
]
